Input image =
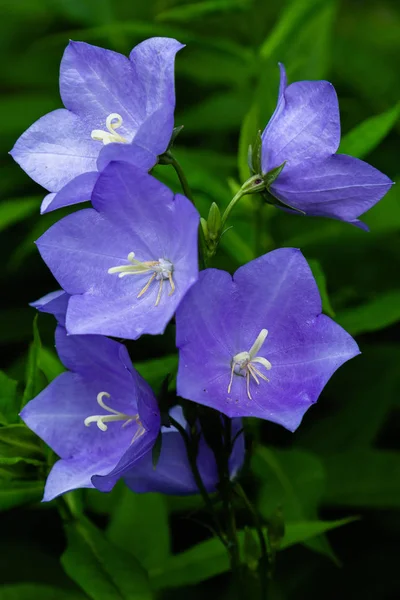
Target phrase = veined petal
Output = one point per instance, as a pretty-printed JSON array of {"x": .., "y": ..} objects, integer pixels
[
  {"x": 133, "y": 213},
  {"x": 56, "y": 149},
  {"x": 95, "y": 83},
  {"x": 132, "y": 153},
  {"x": 75, "y": 191},
  {"x": 306, "y": 125},
  {"x": 275, "y": 292},
  {"x": 54, "y": 303},
  {"x": 339, "y": 186}
]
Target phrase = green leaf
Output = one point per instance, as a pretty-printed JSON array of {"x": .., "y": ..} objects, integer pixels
[
  {"x": 102, "y": 570},
  {"x": 371, "y": 316},
  {"x": 34, "y": 381},
  {"x": 219, "y": 113},
  {"x": 355, "y": 419},
  {"x": 198, "y": 10},
  {"x": 37, "y": 591},
  {"x": 363, "y": 478},
  {"x": 17, "y": 209},
  {"x": 365, "y": 137},
  {"x": 155, "y": 370},
  {"x": 291, "y": 20},
  {"x": 8, "y": 400},
  {"x": 16, "y": 493},
  {"x": 320, "y": 278},
  {"x": 50, "y": 364},
  {"x": 210, "y": 558},
  {"x": 295, "y": 481},
  {"x": 20, "y": 440},
  {"x": 139, "y": 525}
]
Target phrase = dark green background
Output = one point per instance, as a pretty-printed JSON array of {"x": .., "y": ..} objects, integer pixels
[{"x": 343, "y": 461}]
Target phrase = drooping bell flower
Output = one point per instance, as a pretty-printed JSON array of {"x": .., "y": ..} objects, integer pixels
[
  {"x": 173, "y": 474},
  {"x": 256, "y": 344},
  {"x": 100, "y": 417},
  {"x": 296, "y": 157},
  {"x": 115, "y": 108},
  {"x": 128, "y": 262}
]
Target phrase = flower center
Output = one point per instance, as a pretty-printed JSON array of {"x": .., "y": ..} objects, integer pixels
[
  {"x": 244, "y": 364},
  {"x": 115, "y": 415},
  {"x": 161, "y": 269},
  {"x": 113, "y": 122}
]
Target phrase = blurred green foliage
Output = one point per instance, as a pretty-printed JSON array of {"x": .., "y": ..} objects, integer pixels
[{"x": 343, "y": 461}]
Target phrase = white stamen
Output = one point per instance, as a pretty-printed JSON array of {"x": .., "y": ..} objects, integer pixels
[
  {"x": 101, "y": 420},
  {"x": 160, "y": 270},
  {"x": 244, "y": 361},
  {"x": 113, "y": 122}
]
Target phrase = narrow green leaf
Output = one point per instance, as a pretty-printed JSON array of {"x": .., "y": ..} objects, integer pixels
[
  {"x": 16, "y": 493},
  {"x": 210, "y": 558},
  {"x": 37, "y": 591},
  {"x": 17, "y": 209},
  {"x": 102, "y": 570},
  {"x": 139, "y": 525},
  {"x": 8, "y": 400},
  {"x": 291, "y": 19},
  {"x": 247, "y": 138},
  {"x": 372, "y": 316},
  {"x": 198, "y": 10},
  {"x": 365, "y": 137},
  {"x": 50, "y": 364},
  {"x": 34, "y": 383}
]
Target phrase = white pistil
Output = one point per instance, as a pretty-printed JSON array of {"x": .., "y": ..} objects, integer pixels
[
  {"x": 244, "y": 361},
  {"x": 101, "y": 420},
  {"x": 161, "y": 269},
  {"x": 113, "y": 122}
]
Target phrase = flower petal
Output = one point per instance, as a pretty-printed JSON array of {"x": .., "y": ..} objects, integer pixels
[
  {"x": 56, "y": 149},
  {"x": 72, "y": 474},
  {"x": 135, "y": 213},
  {"x": 132, "y": 153},
  {"x": 305, "y": 125},
  {"x": 77, "y": 190},
  {"x": 95, "y": 83},
  {"x": 54, "y": 303},
  {"x": 58, "y": 413},
  {"x": 276, "y": 292},
  {"x": 340, "y": 187}
]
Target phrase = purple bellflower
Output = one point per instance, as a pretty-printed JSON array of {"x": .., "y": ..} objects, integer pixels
[
  {"x": 116, "y": 108},
  {"x": 296, "y": 157},
  {"x": 127, "y": 262},
  {"x": 173, "y": 474},
  {"x": 257, "y": 344},
  {"x": 54, "y": 303},
  {"x": 100, "y": 416}
]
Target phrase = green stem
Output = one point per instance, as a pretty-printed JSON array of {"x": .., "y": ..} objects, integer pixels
[
  {"x": 169, "y": 158},
  {"x": 192, "y": 457},
  {"x": 263, "y": 571},
  {"x": 253, "y": 185},
  {"x": 182, "y": 177},
  {"x": 229, "y": 510}
]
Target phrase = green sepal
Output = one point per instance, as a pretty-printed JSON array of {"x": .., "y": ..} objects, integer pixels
[
  {"x": 270, "y": 199},
  {"x": 175, "y": 132},
  {"x": 272, "y": 175},
  {"x": 254, "y": 156},
  {"x": 204, "y": 227}
]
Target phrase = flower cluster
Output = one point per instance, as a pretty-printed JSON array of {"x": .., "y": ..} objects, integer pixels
[{"x": 251, "y": 344}]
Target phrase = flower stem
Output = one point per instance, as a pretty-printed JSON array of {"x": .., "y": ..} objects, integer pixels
[
  {"x": 253, "y": 185},
  {"x": 182, "y": 177},
  {"x": 229, "y": 510},
  {"x": 192, "y": 457},
  {"x": 263, "y": 570}
]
